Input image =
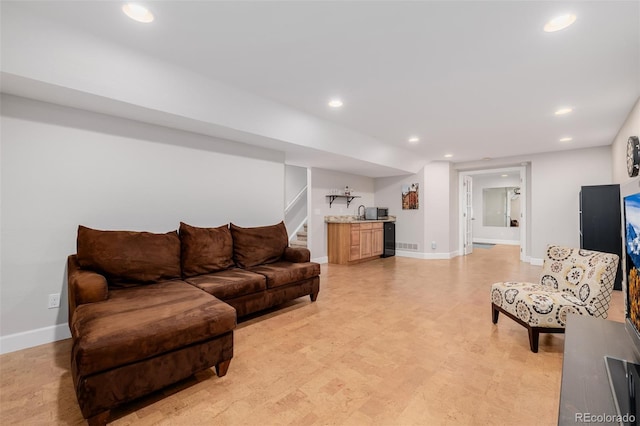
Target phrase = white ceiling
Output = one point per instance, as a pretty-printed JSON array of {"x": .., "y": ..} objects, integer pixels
[{"x": 474, "y": 79}]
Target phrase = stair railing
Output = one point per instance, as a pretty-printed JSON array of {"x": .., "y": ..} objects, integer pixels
[
  {"x": 300, "y": 221},
  {"x": 295, "y": 199}
]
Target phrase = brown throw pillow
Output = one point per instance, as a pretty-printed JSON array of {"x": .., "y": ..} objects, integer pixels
[
  {"x": 129, "y": 257},
  {"x": 259, "y": 245},
  {"x": 205, "y": 250}
]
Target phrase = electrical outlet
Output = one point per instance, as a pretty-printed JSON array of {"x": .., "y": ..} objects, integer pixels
[
  {"x": 54, "y": 300},
  {"x": 433, "y": 245}
]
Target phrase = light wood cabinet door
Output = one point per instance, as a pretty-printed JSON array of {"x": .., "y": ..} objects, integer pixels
[
  {"x": 366, "y": 240},
  {"x": 354, "y": 249},
  {"x": 377, "y": 238},
  {"x": 353, "y": 242}
]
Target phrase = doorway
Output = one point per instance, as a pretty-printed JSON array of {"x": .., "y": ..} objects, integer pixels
[{"x": 493, "y": 208}]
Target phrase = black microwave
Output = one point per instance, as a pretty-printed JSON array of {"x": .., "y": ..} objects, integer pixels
[{"x": 376, "y": 213}]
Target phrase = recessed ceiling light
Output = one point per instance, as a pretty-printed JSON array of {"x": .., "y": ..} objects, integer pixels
[
  {"x": 567, "y": 139},
  {"x": 138, "y": 13},
  {"x": 486, "y": 159},
  {"x": 563, "y": 111},
  {"x": 559, "y": 23},
  {"x": 448, "y": 155},
  {"x": 335, "y": 103},
  {"x": 414, "y": 139},
  {"x": 504, "y": 175}
]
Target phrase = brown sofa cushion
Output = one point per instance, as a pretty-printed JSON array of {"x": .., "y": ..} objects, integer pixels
[
  {"x": 258, "y": 245},
  {"x": 127, "y": 256},
  {"x": 205, "y": 250},
  {"x": 296, "y": 254},
  {"x": 283, "y": 273},
  {"x": 141, "y": 322},
  {"x": 89, "y": 287},
  {"x": 231, "y": 283}
]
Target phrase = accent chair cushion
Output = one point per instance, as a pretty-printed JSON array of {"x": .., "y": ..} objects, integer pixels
[
  {"x": 258, "y": 245},
  {"x": 536, "y": 304},
  {"x": 128, "y": 257},
  {"x": 205, "y": 250}
]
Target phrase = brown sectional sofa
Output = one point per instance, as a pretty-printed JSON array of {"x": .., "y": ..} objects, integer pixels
[{"x": 147, "y": 310}]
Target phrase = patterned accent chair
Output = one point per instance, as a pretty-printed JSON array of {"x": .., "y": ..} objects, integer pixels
[{"x": 573, "y": 281}]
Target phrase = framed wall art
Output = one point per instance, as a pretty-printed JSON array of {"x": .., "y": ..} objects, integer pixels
[{"x": 410, "y": 196}]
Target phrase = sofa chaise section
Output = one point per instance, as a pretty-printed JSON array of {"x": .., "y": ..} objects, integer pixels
[{"x": 136, "y": 326}]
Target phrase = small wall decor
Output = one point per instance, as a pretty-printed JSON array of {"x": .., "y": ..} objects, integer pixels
[
  {"x": 633, "y": 156},
  {"x": 410, "y": 197}
]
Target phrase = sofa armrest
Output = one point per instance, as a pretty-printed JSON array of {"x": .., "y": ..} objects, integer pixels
[
  {"x": 84, "y": 286},
  {"x": 296, "y": 255}
]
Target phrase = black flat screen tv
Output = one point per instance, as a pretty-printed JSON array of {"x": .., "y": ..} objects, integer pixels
[
  {"x": 632, "y": 265},
  {"x": 624, "y": 375}
]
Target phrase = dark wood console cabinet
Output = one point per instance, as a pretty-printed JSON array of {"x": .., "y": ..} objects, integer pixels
[{"x": 585, "y": 383}]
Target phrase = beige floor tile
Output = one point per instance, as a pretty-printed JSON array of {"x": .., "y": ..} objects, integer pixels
[{"x": 394, "y": 341}]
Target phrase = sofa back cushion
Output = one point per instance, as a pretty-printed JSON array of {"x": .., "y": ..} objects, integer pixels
[
  {"x": 205, "y": 250},
  {"x": 127, "y": 257},
  {"x": 258, "y": 245}
]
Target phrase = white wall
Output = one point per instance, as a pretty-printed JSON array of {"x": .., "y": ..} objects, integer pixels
[
  {"x": 62, "y": 167},
  {"x": 553, "y": 185},
  {"x": 322, "y": 182},
  {"x": 455, "y": 212},
  {"x": 555, "y": 189},
  {"x": 492, "y": 234},
  {"x": 295, "y": 178},
  {"x": 631, "y": 127},
  {"x": 436, "y": 218},
  {"x": 409, "y": 223}
]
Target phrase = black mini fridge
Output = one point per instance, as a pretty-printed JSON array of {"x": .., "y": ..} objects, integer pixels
[{"x": 389, "y": 239}]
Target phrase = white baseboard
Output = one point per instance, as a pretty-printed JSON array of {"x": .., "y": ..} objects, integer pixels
[
  {"x": 439, "y": 256},
  {"x": 28, "y": 339},
  {"x": 411, "y": 254},
  {"x": 494, "y": 241},
  {"x": 426, "y": 256},
  {"x": 324, "y": 259},
  {"x": 536, "y": 261}
]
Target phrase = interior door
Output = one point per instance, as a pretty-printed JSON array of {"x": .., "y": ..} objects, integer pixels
[{"x": 468, "y": 215}]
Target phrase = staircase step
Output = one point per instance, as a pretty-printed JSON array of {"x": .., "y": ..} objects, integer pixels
[{"x": 301, "y": 238}]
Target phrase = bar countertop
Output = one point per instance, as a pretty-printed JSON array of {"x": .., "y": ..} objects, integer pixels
[{"x": 355, "y": 219}]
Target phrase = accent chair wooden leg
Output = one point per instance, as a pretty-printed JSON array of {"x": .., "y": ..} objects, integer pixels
[
  {"x": 99, "y": 419},
  {"x": 534, "y": 336},
  {"x": 494, "y": 313},
  {"x": 313, "y": 296},
  {"x": 222, "y": 367}
]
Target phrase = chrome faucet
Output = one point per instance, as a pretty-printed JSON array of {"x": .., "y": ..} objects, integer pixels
[{"x": 361, "y": 216}]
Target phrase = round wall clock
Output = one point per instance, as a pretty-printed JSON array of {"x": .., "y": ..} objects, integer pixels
[{"x": 633, "y": 156}]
